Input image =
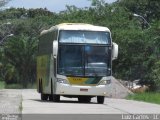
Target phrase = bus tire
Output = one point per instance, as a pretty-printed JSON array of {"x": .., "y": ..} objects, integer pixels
[
  {"x": 100, "y": 99},
  {"x": 56, "y": 98},
  {"x": 44, "y": 96},
  {"x": 40, "y": 86},
  {"x": 84, "y": 99},
  {"x": 50, "y": 97}
]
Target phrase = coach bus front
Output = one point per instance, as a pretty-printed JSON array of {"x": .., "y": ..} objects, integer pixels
[{"x": 84, "y": 63}]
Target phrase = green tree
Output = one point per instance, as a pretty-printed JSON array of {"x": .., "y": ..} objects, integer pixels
[
  {"x": 20, "y": 52},
  {"x": 3, "y": 2}
]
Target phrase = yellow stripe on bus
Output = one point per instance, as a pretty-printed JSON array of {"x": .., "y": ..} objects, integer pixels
[{"x": 77, "y": 80}]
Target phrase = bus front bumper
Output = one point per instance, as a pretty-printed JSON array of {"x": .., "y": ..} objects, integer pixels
[{"x": 66, "y": 89}]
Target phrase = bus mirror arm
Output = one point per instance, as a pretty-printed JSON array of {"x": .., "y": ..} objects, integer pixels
[
  {"x": 55, "y": 48},
  {"x": 114, "y": 51}
]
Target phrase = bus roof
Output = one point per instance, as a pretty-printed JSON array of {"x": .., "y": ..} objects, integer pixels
[
  {"x": 77, "y": 26},
  {"x": 80, "y": 26}
]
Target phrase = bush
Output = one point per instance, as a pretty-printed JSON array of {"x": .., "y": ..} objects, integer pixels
[{"x": 13, "y": 86}]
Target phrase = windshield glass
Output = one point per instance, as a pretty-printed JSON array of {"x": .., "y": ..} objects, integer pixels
[
  {"x": 84, "y": 60},
  {"x": 96, "y": 61},
  {"x": 70, "y": 60},
  {"x": 93, "y": 37}
]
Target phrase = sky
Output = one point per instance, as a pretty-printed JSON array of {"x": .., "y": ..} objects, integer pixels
[{"x": 51, "y": 5}]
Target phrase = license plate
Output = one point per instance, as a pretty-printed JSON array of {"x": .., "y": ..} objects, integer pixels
[{"x": 85, "y": 90}]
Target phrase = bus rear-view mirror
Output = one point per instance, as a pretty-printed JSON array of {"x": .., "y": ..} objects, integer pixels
[
  {"x": 55, "y": 46},
  {"x": 114, "y": 51}
]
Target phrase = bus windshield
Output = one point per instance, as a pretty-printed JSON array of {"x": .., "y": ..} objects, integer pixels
[
  {"x": 84, "y": 60},
  {"x": 91, "y": 37}
]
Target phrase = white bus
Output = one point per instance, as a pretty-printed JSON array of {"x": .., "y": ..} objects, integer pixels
[{"x": 75, "y": 60}]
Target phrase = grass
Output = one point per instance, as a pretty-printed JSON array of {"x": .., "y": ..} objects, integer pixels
[
  {"x": 2, "y": 84},
  {"x": 32, "y": 86},
  {"x": 19, "y": 86},
  {"x": 151, "y": 97},
  {"x": 13, "y": 86}
]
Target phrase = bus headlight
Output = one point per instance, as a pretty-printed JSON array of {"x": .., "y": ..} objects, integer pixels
[
  {"x": 105, "y": 82},
  {"x": 63, "y": 81}
]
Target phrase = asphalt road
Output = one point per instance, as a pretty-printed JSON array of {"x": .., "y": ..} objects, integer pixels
[
  {"x": 10, "y": 101},
  {"x": 70, "y": 107}
]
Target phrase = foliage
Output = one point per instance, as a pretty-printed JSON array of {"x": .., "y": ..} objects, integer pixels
[
  {"x": 151, "y": 97},
  {"x": 139, "y": 50},
  {"x": 150, "y": 9},
  {"x": 14, "y": 86},
  {"x": 155, "y": 73},
  {"x": 20, "y": 52},
  {"x": 3, "y": 2},
  {"x": 2, "y": 84}
]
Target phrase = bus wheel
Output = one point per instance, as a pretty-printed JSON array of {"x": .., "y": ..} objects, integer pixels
[
  {"x": 56, "y": 98},
  {"x": 100, "y": 99},
  {"x": 84, "y": 99},
  {"x": 44, "y": 96},
  {"x": 50, "y": 97}
]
